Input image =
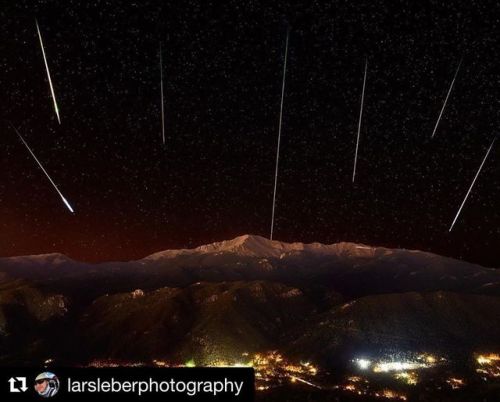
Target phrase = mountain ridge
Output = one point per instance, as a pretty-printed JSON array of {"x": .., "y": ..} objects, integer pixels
[
  {"x": 247, "y": 245},
  {"x": 245, "y": 294}
]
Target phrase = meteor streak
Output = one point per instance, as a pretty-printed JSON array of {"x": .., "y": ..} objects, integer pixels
[
  {"x": 44, "y": 171},
  {"x": 48, "y": 73},
  {"x": 472, "y": 185},
  {"x": 446, "y": 99},
  {"x": 359, "y": 123},
  {"x": 162, "y": 102},
  {"x": 279, "y": 134}
]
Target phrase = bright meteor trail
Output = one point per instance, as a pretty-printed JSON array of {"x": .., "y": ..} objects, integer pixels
[
  {"x": 162, "y": 102},
  {"x": 359, "y": 123},
  {"x": 48, "y": 73},
  {"x": 44, "y": 171},
  {"x": 472, "y": 185},
  {"x": 446, "y": 99},
  {"x": 279, "y": 133}
]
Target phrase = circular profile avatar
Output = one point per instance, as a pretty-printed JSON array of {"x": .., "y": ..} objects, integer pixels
[{"x": 46, "y": 384}]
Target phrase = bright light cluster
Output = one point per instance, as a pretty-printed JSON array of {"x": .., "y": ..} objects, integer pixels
[
  {"x": 401, "y": 367},
  {"x": 455, "y": 383},
  {"x": 408, "y": 377},
  {"x": 488, "y": 359},
  {"x": 272, "y": 369},
  {"x": 489, "y": 365},
  {"x": 390, "y": 394},
  {"x": 361, "y": 386},
  {"x": 383, "y": 366},
  {"x": 363, "y": 364},
  {"x": 357, "y": 385}
]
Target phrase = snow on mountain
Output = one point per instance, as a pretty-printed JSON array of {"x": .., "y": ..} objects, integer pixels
[{"x": 258, "y": 246}]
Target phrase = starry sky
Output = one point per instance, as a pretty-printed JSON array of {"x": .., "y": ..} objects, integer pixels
[{"x": 222, "y": 68}]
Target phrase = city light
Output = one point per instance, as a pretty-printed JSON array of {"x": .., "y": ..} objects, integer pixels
[
  {"x": 489, "y": 365},
  {"x": 363, "y": 364}
]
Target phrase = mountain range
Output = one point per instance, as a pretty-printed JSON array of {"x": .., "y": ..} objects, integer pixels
[{"x": 248, "y": 294}]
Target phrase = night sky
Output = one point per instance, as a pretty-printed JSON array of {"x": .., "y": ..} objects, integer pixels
[{"x": 222, "y": 67}]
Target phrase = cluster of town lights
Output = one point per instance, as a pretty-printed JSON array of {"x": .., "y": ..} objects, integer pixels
[{"x": 272, "y": 370}]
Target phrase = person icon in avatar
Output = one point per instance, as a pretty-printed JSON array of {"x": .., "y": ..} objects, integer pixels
[{"x": 46, "y": 384}]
